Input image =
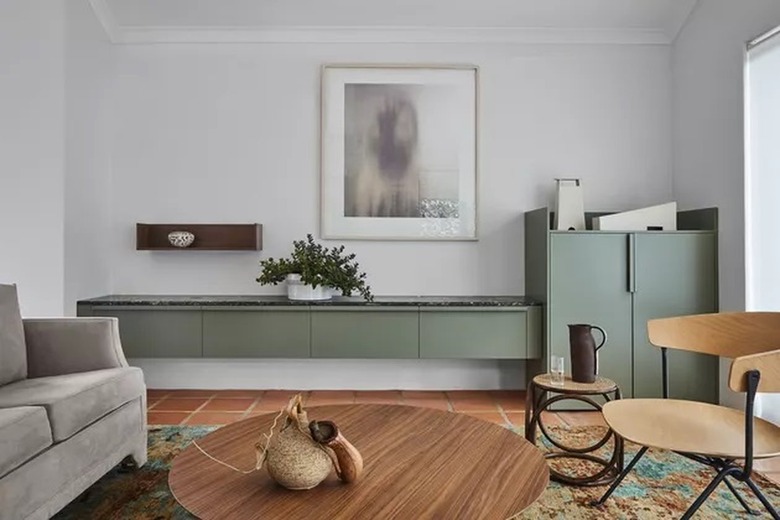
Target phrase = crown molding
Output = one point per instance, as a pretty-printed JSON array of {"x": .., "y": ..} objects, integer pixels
[
  {"x": 381, "y": 34},
  {"x": 106, "y": 18},
  {"x": 413, "y": 35},
  {"x": 682, "y": 11}
]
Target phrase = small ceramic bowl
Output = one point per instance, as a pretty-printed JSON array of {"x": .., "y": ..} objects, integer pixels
[{"x": 181, "y": 238}]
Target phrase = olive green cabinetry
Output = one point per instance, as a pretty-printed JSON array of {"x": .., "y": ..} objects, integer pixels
[
  {"x": 501, "y": 333},
  {"x": 384, "y": 332},
  {"x": 256, "y": 332},
  {"x": 676, "y": 274},
  {"x": 341, "y": 331},
  {"x": 619, "y": 281},
  {"x": 157, "y": 332},
  {"x": 588, "y": 284}
]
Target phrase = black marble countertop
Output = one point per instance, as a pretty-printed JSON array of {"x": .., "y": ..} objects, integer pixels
[{"x": 270, "y": 300}]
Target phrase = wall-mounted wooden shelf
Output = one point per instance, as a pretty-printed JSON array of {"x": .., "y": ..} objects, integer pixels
[{"x": 208, "y": 237}]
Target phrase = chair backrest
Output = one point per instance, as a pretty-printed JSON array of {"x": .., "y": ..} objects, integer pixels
[{"x": 752, "y": 339}]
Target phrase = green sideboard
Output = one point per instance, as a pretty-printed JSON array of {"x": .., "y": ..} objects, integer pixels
[
  {"x": 620, "y": 280},
  {"x": 273, "y": 327}
]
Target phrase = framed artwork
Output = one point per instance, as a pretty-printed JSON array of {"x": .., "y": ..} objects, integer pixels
[{"x": 399, "y": 152}]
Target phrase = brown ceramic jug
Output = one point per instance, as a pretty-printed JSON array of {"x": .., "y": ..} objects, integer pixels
[{"x": 584, "y": 360}]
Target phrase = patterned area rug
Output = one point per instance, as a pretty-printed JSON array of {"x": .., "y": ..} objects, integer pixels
[{"x": 662, "y": 485}]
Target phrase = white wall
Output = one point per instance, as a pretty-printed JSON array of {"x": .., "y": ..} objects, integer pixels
[
  {"x": 88, "y": 94},
  {"x": 32, "y": 152},
  {"x": 708, "y": 108},
  {"x": 220, "y": 133}
]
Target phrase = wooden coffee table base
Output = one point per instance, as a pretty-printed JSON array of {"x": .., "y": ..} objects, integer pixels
[{"x": 419, "y": 463}]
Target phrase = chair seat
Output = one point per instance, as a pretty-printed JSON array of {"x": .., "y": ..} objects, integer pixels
[
  {"x": 74, "y": 401},
  {"x": 690, "y": 427}
]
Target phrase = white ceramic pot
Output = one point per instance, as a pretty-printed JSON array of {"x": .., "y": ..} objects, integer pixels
[{"x": 297, "y": 290}]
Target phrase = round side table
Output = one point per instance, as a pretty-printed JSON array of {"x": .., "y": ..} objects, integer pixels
[{"x": 538, "y": 401}]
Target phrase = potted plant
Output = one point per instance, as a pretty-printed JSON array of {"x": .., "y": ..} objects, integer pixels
[{"x": 312, "y": 271}]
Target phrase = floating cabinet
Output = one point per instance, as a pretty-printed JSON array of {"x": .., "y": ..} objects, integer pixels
[
  {"x": 157, "y": 332},
  {"x": 364, "y": 332},
  {"x": 221, "y": 328},
  {"x": 247, "y": 333},
  {"x": 463, "y": 333},
  {"x": 208, "y": 237},
  {"x": 619, "y": 281}
]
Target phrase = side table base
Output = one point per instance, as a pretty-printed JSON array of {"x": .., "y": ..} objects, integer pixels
[{"x": 537, "y": 401}]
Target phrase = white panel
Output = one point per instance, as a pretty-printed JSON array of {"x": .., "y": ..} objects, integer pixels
[
  {"x": 763, "y": 189},
  {"x": 663, "y": 217}
]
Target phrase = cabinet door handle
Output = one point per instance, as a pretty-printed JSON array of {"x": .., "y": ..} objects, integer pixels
[{"x": 631, "y": 263}]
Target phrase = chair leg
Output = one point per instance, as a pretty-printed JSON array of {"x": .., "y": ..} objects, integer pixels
[
  {"x": 739, "y": 497},
  {"x": 620, "y": 477},
  {"x": 707, "y": 492},
  {"x": 763, "y": 499}
]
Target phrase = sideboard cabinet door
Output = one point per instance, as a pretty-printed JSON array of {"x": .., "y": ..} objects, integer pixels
[
  {"x": 344, "y": 332},
  {"x": 676, "y": 275},
  {"x": 589, "y": 283},
  {"x": 465, "y": 333},
  {"x": 266, "y": 332},
  {"x": 157, "y": 332}
]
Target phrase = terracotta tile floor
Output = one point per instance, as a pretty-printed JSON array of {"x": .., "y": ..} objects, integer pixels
[
  {"x": 225, "y": 406},
  {"x": 219, "y": 407}
]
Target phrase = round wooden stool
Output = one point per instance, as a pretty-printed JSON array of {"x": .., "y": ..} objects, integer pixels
[{"x": 538, "y": 401}]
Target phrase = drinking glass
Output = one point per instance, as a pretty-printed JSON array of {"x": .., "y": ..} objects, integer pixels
[{"x": 557, "y": 364}]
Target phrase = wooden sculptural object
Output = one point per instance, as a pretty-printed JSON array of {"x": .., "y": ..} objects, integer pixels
[
  {"x": 292, "y": 457},
  {"x": 349, "y": 462},
  {"x": 302, "y": 453}
]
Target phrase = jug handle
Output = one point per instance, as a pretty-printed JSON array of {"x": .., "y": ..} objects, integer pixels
[{"x": 603, "y": 333}]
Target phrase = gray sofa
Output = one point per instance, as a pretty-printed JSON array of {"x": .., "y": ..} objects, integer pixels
[{"x": 70, "y": 409}]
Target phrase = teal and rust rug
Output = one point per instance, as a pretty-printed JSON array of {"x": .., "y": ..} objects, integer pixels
[{"x": 662, "y": 485}]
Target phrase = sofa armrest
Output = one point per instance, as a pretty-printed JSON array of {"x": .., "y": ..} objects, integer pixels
[{"x": 57, "y": 346}]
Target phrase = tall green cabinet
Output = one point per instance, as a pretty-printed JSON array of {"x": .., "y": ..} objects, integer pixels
[{"x": 619, "y": 281}]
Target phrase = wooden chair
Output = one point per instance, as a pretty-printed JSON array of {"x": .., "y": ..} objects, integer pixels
[{"x": 713, "y": 435}]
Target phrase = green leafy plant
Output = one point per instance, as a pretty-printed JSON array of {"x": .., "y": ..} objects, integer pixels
[{"x": 318, "y": 265}]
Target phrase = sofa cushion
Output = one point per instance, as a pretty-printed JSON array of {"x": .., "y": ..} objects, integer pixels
[
  {"x": 13, "y": 352},
  {"x": 74, "y": 401},
  {"x": 24, "y": 433}
]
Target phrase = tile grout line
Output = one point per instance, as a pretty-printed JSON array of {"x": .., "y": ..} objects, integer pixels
[
  {"x": 158, "y": 401},
  {"x": 198, "y": 409},
  {"x": 252, "y": 406},
  {"x": 507, "y": 422}
]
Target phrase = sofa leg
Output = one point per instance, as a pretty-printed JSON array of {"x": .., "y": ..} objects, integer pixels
[
  {"x": 128, "y": 464},
  {"x": 137, "y": 457}
]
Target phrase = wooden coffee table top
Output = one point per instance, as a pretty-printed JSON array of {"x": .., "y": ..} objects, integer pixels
[{"x": 419, "y": 463}]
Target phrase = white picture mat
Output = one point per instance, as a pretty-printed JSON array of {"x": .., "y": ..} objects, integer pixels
[{"x": 333, "y": 222}]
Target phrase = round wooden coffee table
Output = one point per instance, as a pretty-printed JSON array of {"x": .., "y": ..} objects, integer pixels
[{"x": 419, "y": 463}]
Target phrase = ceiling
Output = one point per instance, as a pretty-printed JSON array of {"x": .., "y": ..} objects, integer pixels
[{"x": 651, "y": 21}]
